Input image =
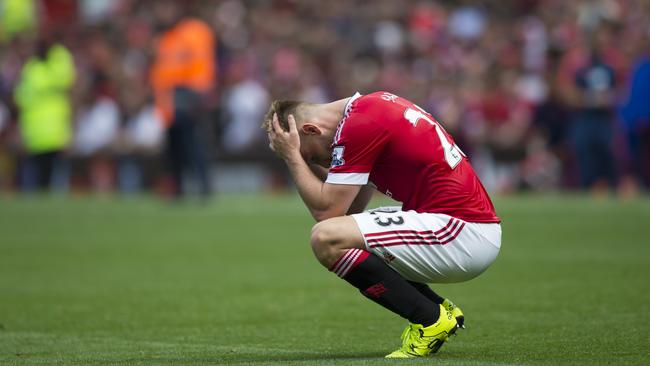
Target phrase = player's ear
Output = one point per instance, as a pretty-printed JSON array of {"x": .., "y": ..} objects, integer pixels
[{"x": 310, "y": 129}]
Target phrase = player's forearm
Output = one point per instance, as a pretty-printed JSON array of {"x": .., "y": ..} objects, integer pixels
[
  {"x": 361, "y": 201},
  {"x": 310, "y": 189},
  {"x": 319, "y": 171}
]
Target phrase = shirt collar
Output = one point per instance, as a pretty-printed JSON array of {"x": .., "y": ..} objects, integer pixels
[
  {"x": 348, "y": 105},
  {"x": 346, "y": 112}
]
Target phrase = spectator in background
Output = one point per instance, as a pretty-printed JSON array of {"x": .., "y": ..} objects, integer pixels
[
  {"x": 182, "y": 73},
  {"x": 97, "y": 129},
  {"x": 589, "y": 80},
  {"x": 549, "y": 123},
  {"x": 245, "y": 105},
  {"x": 43, "y": 101},
  {"x": 506, "y": 117},
  {"x": 140, "y": 144},
  {"x": 636, "y": 118},
  {"x": 4, "y": 155},
  {"x": 16, "y": 16}
]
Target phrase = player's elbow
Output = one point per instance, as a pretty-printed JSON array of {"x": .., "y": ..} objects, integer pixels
[
  {"x": 322, "y": 215},
  {"x": 329, "y": 207}
]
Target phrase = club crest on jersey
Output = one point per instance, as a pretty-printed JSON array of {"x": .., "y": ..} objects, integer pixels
[{"x": 337, "y": 156}]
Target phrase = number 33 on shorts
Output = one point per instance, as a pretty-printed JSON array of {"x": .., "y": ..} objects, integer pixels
[{"x": 387, "y": 217}]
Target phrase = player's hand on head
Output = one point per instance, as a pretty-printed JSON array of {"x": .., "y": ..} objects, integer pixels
[{"x": 282, "y": 142}]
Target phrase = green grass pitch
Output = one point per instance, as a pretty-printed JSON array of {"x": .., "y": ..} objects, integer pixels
[{"x": 140, "y": 282}]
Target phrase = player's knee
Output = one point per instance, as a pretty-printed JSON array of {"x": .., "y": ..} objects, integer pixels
[
  {"x": 321, "y": 236},
  {"x": 323, "y": 240}
]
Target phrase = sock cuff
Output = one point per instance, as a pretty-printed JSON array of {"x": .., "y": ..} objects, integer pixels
[{"x": 348, "y": 261}]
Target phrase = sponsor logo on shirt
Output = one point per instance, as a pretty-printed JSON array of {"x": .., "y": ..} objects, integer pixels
[{"x": 337, "y": 156}]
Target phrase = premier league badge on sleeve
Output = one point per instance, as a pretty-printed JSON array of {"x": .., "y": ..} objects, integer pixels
[{"x": 337, "y": 156}]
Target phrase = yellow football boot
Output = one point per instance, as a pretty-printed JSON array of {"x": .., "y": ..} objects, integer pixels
[
  {"x": 420, "y": 341},
  {"x": 452, "y": 308},
  {"x": 455, "y": 312}
]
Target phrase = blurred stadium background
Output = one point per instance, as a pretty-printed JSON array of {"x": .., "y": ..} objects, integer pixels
[
  {"x": 104, "y": 99},
  {"x": 542, "y": 94}
]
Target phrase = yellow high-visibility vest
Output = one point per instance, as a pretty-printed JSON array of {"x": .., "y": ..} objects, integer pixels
[
  {"x": 43, "y": 100},
  {"x": 16, "y": 16}
]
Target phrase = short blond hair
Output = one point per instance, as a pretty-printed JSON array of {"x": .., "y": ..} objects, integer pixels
[{"x": 283, "y": 108}]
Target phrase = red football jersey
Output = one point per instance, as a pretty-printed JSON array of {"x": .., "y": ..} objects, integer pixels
[{"x": 408, "y": 155}]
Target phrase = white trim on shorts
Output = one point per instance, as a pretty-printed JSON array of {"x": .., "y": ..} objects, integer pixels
[
  {"x": 429, "y": 247},
  {"x": 412, "y": 237}
]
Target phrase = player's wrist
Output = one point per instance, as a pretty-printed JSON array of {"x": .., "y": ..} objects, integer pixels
[{"x": 293, "y": 156}]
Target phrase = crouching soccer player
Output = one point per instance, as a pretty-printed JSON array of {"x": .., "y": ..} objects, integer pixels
[{"x": 446, "y": 231}]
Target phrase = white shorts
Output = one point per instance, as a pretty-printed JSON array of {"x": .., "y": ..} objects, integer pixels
[{"x": 429, "y": 247}]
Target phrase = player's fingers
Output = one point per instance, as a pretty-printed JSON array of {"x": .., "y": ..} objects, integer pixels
[
  {"x": 276, "y": 124},
  {"x": 292, "y": 124}
]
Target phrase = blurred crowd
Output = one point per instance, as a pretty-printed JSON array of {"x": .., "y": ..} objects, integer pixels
[{"x": 109, "y": 95}]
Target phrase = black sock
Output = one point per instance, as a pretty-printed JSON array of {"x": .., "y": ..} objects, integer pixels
[
  {"x": 425, "y": 290},
  {"x": 381, "y": 284}
]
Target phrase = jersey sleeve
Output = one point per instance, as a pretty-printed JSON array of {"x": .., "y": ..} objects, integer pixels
[{"x": 355, "y": 151}]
